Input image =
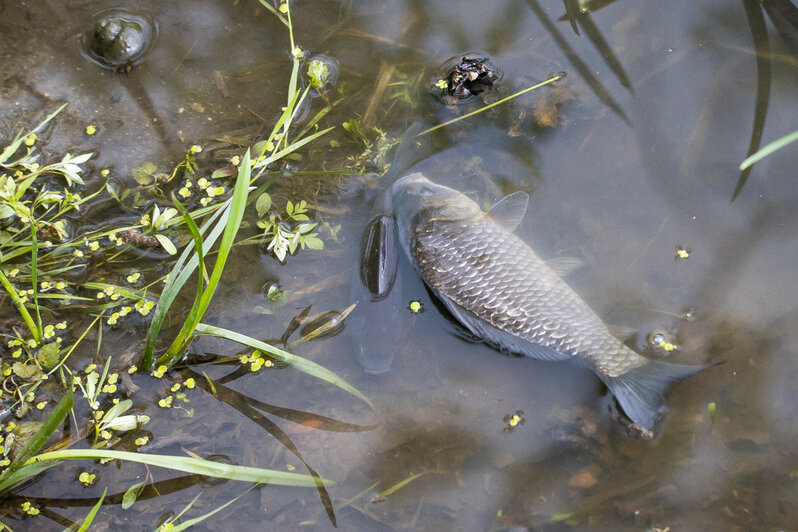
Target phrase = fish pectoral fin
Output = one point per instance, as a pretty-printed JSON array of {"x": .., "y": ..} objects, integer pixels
[
  {"x": 508, "y": 212},
  {"x": 640, "y": 391},
  {"x": 479, "y": 329}
]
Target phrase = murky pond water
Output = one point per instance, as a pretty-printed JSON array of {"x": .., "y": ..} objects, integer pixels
[{"x": 633, "y": 155}]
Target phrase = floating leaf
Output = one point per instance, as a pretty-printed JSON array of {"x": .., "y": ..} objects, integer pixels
[
  {"x": 263, "y": 204},
  {"x": 144, "y": 174},
  {"x": 49, "y": 355},
  {"x": 166, "y": 244}
]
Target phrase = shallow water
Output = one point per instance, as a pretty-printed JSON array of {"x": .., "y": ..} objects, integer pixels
[{"x": 619, "y": 173}]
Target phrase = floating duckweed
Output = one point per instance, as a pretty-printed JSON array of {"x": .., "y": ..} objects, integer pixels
[
  {"x": 109, "y": 388},
  {"x": 682, "y": 252},
  {"x": 100, "y": 295},
  {"x": 60, "y": 285},
  {"x": 29, "y": 509},
  {"x": 190, "y": 383},
  {"x": 297, "y": 52},
  {"x": 91, "y": 129},
  {"x": 124, "y": 311},
  {"x": 133, "y": 277},
  {"x": 94, "y": 245},
  {"x": 235, "y": 160},
  {"x": 166, "y": 402},
  {"x": 105, "y": 434},
  {"x": 78, "y": 253},
  {"x": 184, "y": 192},
  {"x": 90, "y": 368},
  {"x": 203, "y": 183},
  {"x": 30, "y": 140},
  {"x": 16, "y": 354},
  {"x": 113, "y": 319},
  {"x": 32, "y": 343},
  {"x": 86, "y": 478},
  {"x": 14, "y": 272},
  {"x": 205, "y": 201},
  {"x": 196, "y": 148},
  {"x": 41, "y": 404},
  {"x": 175, "y": 387},
  {"x": 513, "y": 420},
  {"x": 44, "y": 285},
  {"x": 132, "y": 369},
  {"x": 145, "y": 220},
  {"x": 416, "y": 307},
  {"x": 442, "y": 84}
]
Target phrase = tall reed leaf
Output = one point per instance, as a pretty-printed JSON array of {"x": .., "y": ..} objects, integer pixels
[
  {"x": 177, "y": 280},
  {"x": 197, "y": 466},
  {"x": 302, "y": 364}
]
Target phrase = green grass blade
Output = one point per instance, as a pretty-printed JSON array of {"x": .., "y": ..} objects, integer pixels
[
  {"x": 768, "y": 149},
  {"x": 494, "y": 104},
  {"x": 197, "y": 237},
  {"x": 24, "y": 473},
  {"x": 302, "y": 364},
  {"x": 191, "y": 522},
  {"x": 12, "y": 148},
  {"x": 237, "y": 206},
  {"x": 186, "y": 464},
  {"x": 34, "y": 282},
  {"x": 293, "y": 147},
  {"x": 38, "y": 440},
  {"x": 177, "y": 280},
  {"x": 90, "y": 517}
]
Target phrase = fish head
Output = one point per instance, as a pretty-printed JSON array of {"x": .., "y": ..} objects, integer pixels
[{"x": 418, "y": 201}]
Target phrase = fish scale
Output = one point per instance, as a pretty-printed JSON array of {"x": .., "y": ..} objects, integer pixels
[
  {"x": 503, "y": 293},
  {"x": 523, "y": 296}
]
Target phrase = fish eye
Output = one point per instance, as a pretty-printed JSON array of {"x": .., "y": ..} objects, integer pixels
[{"x": 425, "y": 191}]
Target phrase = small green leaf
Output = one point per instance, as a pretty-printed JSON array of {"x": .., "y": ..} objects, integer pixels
[
  {"x": 144, "y": 174},
  {"x": 25, "y": 371},
  {"x": 312, "y": 242},
  {"x": 132, "y": 494},
  {"x": 317, "y": 72},
  {"x": 166, "y": 244},
  {"x": 263, "y": 204},
  {"x": 48, "y": 355}
]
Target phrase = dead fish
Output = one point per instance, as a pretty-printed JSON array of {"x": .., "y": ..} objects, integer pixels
[{"x": 505, "y": 295}]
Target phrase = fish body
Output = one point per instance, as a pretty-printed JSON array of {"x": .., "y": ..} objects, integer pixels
[{"x": 503, "y": 293}]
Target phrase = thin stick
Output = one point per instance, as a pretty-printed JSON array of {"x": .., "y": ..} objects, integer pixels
[{"x": 494, "y": 104}]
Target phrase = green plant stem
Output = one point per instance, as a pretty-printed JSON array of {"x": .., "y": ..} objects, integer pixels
[
  {"x": 34, "y": 282},
  {"x": 768, "y": 149},
  {"x": 34, "y": 331},
  {"x": 494, "y": 104},
  {"x": 236, "y": 214}
]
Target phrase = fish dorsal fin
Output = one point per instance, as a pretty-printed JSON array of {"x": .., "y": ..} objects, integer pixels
[{"x": 509, "y": 211}]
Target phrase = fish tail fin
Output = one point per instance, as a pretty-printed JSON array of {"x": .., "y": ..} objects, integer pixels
[{"x": 640, "y": 391}]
